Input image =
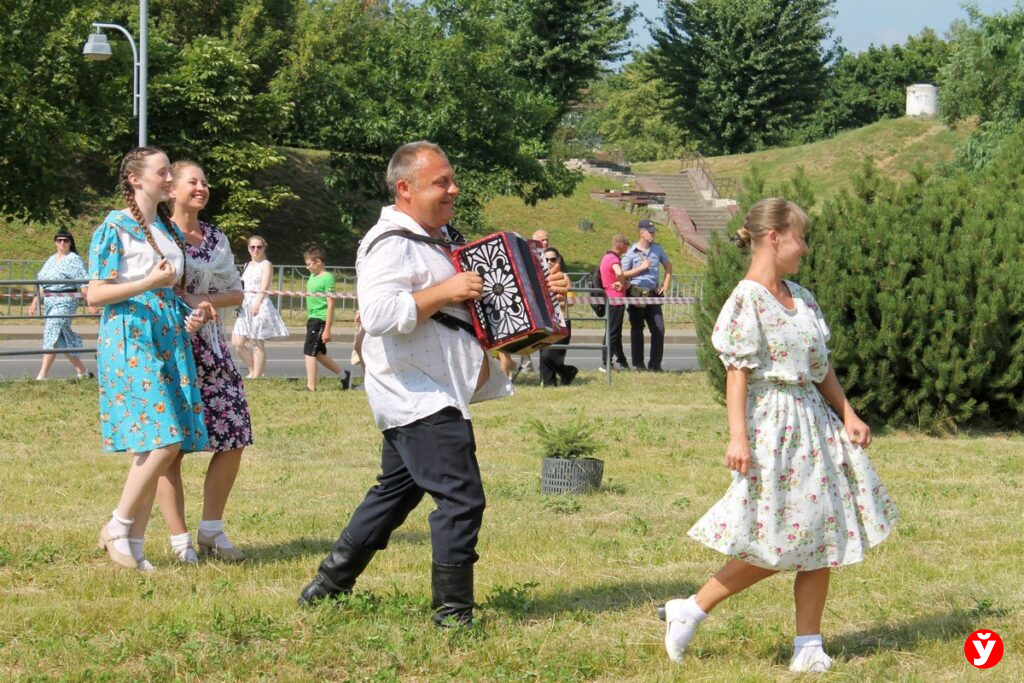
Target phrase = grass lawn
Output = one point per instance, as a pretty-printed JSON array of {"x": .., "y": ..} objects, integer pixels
[
  {"x": 895, "y": 144},
  {"x": 567, "y": 586}
]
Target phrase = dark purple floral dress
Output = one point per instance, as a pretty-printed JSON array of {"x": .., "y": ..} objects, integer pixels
[{"x": 211, "y": 269}]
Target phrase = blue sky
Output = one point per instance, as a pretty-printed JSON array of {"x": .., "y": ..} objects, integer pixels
[{"x": 860, "y": 23}]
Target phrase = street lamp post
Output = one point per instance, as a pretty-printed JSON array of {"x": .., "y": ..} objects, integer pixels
[{"x": 97, "y": 48}]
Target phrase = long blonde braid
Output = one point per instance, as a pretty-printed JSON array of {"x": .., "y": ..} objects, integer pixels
[{"x": 134, "y": 163}]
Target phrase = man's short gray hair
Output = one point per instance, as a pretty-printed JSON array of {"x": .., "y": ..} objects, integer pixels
[{"x": 406, "y": 161}]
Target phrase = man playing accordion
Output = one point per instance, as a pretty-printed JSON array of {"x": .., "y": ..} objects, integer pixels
[{"x": 423, "y": 369}]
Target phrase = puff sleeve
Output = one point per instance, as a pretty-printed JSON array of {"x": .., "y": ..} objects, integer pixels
[
  {"x": 105, "y": 253},
  {"x": 826, "y": 333},
  {"x": 737, "y": 333}
]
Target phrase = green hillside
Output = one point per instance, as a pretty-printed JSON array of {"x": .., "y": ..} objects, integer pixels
[
  {"x": 561, "y": 218},
  {"x": 895, "y": 144}
]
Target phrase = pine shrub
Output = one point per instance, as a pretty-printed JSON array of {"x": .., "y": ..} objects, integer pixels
[{"x": 923, "y": 287}]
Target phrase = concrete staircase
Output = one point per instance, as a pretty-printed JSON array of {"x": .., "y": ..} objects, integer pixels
[{"x": 681, "y": 191}]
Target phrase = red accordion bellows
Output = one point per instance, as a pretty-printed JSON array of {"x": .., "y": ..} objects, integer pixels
[{"x": 517, "y": 312}]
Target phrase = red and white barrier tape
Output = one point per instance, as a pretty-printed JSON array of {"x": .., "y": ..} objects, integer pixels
[
  {"x": 577, "y": 299},
  {"x": 28, "y": 296}
]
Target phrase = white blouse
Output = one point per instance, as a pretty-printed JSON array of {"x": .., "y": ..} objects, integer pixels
[
  {"x": 121, "y": 252},
  {"x": 413, "y": 369}
]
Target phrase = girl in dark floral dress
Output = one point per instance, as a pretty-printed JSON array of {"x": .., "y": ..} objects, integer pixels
[{"x": 211, "y": 276}]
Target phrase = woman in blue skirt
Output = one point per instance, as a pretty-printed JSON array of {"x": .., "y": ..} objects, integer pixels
[{"x": 149, "y": 401}]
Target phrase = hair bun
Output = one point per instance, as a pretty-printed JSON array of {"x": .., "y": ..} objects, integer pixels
[{"x": 743, "y": 238}]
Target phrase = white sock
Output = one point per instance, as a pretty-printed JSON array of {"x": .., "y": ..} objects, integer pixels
[
  {"x": 140, "y": 555},
  {"x": 119, "y": 526},
  {"x": 682, "y": 617},
  {"x": 214, "y": 528},
  {"x": 182, "y": 547},
  {"x": 809, "y": 655}
]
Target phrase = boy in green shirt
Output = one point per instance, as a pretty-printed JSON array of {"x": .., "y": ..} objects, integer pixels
[{"x": 320, "y": 315}]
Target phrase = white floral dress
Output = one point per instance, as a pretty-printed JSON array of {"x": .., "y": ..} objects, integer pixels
[
  {"x": 811, "y": 498},
  {"x": 267, "y": 323}
]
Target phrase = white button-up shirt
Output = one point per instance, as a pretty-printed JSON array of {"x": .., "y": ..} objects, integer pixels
[{"x": 414, "y": 370}]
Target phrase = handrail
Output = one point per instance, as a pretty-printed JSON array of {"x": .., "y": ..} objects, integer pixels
[{"x": 694, "y": 160}]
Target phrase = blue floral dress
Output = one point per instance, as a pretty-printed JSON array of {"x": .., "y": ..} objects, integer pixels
[
  {"x": 811, "y": 499},
  {"x": 147, "y": 377},
  {"x": 57, "y": 332}
]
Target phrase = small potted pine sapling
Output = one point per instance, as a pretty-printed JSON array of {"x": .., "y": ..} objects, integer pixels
[{"x": 567, "y": 465}]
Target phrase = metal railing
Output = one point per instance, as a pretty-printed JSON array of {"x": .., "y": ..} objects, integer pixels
[
  {"x": 720, "y": 188},
  {"x": 23, "y": 290},
  {"x": 606, "y": 346},
  {"x": 15, "y": 298}
]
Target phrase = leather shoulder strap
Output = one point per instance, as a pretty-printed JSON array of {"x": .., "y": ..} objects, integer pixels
[{"x": 407, "y": 234}]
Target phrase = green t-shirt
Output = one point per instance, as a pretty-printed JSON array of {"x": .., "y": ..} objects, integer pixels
[{"x": 316, "y": 306}]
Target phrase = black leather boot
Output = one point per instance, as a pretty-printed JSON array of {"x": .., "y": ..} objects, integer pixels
[
  {"x": 338, "y": 572},
  {"x": 452, "y": 588}
]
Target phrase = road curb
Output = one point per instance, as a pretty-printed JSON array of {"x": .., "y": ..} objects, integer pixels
[{"x": 338, "y": 334}]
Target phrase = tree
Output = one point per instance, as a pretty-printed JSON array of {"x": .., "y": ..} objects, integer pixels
[
  {"x": 561, "y": 45},
  {"x": 369, "y": 81},
  {"x": 742, "y": 75},
  {"x": 982, "y": 77},
  {"x": 207, "y": 107},
  {"x": 626, "y": 111},
  {"x": 982, "y": 80},
  {"x": 54, "y": 108},
  {"x": 865, "y": 87}
]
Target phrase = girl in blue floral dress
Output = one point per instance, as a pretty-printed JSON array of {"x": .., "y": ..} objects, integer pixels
[
  {"x": 149, "y": 402},
  {"x": 804, "y": 496}
]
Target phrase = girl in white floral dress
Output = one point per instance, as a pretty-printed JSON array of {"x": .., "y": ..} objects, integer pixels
[{"x": 804, "y": 496}]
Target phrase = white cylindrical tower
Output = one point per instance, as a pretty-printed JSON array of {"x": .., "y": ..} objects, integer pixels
[{"x": 922, "y": 100}]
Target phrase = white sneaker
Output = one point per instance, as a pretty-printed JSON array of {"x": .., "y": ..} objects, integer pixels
[
  {"x": 188, "y": 556},
  {"x": 680, "y": 626},
  {"x": 810, "y": 659}
]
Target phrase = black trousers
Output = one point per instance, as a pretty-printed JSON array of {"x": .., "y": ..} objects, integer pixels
[
  {"x": 655, "y": 321},
  {"x": 434, "y": 455},
  {"x": 616, "y": 314},
  {"x": 552, "y": 360}
]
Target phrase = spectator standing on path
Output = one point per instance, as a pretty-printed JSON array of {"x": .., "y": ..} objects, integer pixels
[
  {"x": 422, "y": 372},
  {"x": 210, "y": 276},
  {"x": 615, "y": 282},
  {"x": 553, "y": 370},
  {"x": 320, "y": 312},
  {"x": 65, "y": 264},
  {"x": 258, "y": 319},
  {"x": 646, "y": 283}
]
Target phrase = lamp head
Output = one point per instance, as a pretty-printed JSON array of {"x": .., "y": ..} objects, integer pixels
[{"x": 97, "y": 47}]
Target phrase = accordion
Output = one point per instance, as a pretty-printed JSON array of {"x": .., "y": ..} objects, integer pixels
[{"x": 517, "y": 312}]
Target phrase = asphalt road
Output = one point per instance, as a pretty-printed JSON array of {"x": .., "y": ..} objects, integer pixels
[{"x": 285, "y": 359}]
